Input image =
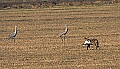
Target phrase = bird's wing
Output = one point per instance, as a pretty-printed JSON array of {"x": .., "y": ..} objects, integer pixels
[
  {"x": 62, "y": 34},
  {"x": 12, "y": 35}
]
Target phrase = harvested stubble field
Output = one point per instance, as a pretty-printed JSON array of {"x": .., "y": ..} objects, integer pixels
[{"x": 38, "y": 46}]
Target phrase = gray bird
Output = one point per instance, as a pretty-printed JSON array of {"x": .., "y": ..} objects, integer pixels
[
  {"x": 63, "y": 34},
  {"x": 13, "y": 35}
]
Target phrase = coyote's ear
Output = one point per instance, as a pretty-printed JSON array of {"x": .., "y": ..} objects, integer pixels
[{"x": 85, "y": 37}]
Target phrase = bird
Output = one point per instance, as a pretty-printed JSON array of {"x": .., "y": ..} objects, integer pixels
[
  {"x": 13, "y": 35},
  {"x": 63, "y": 34}
]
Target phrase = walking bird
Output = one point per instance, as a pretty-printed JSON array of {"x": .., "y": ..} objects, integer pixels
[
  {"x": 63, "y": 34},
  {"x": 13, "y": 35}
]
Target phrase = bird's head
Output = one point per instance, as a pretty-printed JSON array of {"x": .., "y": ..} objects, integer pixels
[
  {"x": 15, "y": 26},
  {"x": 66, "y": 25}
]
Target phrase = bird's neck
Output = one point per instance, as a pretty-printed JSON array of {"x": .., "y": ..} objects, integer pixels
[
  {"x": 66, "y": 28},
  {"x": 15, "y": 29}
]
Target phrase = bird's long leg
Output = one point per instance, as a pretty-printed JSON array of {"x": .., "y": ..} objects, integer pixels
[
  {"x": 14, "y": 39},
  {"x": 64, "y": 40},
  {"x": 61, "y": 39}
]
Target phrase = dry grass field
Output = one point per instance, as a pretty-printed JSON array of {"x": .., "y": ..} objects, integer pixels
[{"x": 38, "y": 46}]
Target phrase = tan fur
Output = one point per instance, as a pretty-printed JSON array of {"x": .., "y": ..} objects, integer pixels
[{"x": 93, "y": 41}]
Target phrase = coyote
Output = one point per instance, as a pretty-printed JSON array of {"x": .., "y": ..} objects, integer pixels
[{"x": 91, "y": 41}]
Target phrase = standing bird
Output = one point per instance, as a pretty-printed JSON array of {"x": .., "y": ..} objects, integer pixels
[
  {"x": 13, "y": 35},
  {"x": 64, "y": 33}
]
